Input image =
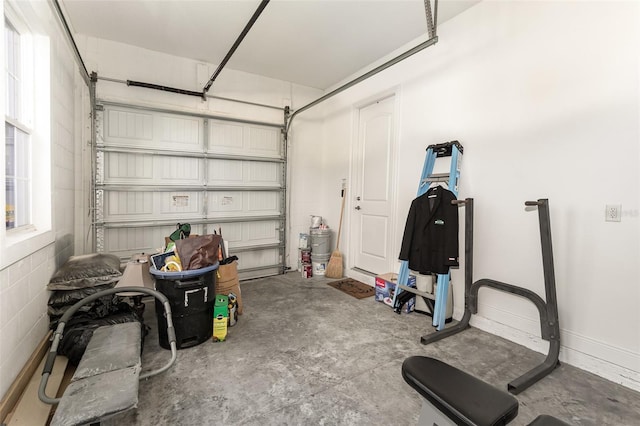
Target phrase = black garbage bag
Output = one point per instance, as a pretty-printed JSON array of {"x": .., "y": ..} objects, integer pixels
[
  {"x": 61, "y": 298},
  {"x": 60, "y": 301},
  {"x": 79, "y": 330}
]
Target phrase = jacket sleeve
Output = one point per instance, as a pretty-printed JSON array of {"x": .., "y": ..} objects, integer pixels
[{"x": 407, "y": 238}]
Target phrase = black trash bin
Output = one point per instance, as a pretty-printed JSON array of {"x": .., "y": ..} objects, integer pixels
[{"x": 191, "y": 295}]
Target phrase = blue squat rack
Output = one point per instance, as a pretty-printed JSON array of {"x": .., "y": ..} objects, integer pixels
[{"x": 454, "y": 150}]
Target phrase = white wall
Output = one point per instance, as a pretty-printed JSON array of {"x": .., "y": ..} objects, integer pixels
[
  {"x": 307, "y": 178},
  {"x": 23, "y": 295},
  {"x": 544, "y": 98}
]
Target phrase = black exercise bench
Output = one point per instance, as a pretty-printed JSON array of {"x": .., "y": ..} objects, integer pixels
[{"x": 453, "y": 397}]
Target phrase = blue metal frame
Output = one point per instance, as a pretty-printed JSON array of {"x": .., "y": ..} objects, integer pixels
[{"x": 442, "y": 290}]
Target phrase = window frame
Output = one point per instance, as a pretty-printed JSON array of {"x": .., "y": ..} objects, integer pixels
[{"x": 19, "y": 242}]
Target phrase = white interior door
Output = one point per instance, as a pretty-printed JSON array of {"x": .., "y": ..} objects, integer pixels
[{"x": 372, "y": 195}]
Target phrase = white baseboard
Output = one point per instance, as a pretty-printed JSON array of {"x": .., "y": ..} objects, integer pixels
[
  {"x": 600, "y": 358},
  {"x": 361, "y": 276}
]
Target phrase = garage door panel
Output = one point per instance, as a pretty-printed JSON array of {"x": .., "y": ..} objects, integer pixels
[
  {"x": 244, "y": 139},
  {"x": 145, "y": 169},
  {"x": 178, "y": 171},
  {"x": 123, "y": 206},
  {"x": 126, "y": 241},
  {"x": 224, "y": 203},
  {"x": 225, "y": 137},
  {"x": 243, "y": 173},
  {"x": 128, "y": 205},
  {"x": 243, "y": 203},
  {"x": 263, "y": 141},
  {"x": 261, "y": 232},
  {"x": 258, "y": 258},
  {"x": 268, "y": 174},
  {"x": 225, "y": 172},
  {"x": 180, "y": 204},
  {"x": 263, "y": 202},
  {"x": 231, "y": 232},
  {"x": 125, "y": 167},
  {"x": 135, "y": 127},
  {"x": 156, "y": 168},
  {"x": 180, "y": 132},
  {"x": 132, "y": 128},
  {"x": 247, "y": 234}
]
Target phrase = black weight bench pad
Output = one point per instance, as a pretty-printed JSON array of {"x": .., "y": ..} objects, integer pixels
[{"x": 465, "y": 399}]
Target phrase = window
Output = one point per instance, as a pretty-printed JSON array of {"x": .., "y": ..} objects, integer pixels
[
  {"x": 17, "y": 180},
  {"x": 17, "y": 136},
  {"x": 25, "y": 155}
]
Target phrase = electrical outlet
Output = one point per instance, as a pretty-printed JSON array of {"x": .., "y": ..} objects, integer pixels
[{"x": 613, "y": 212}]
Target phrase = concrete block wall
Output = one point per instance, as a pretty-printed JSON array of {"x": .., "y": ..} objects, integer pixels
[
  {"x": 23, "y": 296},
  {"x": 23, "y": 317}
]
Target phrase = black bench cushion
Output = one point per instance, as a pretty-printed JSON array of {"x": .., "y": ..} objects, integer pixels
[{"x": 465, "y": 399}]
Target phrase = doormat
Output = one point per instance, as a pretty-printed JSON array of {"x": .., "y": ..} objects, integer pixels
[{"x": 353, "y": 288}]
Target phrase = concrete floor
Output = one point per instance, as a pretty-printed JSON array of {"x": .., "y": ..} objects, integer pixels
[{"x": 305, "y": 353}]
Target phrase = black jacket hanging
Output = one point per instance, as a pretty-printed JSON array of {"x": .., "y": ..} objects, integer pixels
[{"x": 430, "y": 241}]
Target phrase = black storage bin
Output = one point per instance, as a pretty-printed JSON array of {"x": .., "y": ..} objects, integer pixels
[{"x": 191, "y": 295}]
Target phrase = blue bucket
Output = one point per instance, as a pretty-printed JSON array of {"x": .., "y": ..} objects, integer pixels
[{"x": 179, "y": 275}]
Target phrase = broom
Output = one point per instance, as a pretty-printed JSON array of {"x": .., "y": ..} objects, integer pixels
[{"x": 334, "y": 268}]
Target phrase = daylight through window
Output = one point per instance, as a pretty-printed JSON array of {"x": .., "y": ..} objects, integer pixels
[{"x": 17, "y": 137}]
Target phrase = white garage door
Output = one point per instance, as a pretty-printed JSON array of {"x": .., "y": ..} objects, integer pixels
[{"x": 156, "y": 168}]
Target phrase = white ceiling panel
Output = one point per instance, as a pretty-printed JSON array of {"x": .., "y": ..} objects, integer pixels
[{"x": 315, "y": 43}]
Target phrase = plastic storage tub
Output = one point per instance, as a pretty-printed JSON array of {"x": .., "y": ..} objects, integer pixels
[{"x": 191, "y": 295}]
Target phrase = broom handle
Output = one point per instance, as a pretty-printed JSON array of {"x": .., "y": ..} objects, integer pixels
[{"x": 340, "y": 226}]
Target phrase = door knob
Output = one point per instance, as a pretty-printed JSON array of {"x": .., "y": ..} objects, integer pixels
[{"x": 357, "y": 207}]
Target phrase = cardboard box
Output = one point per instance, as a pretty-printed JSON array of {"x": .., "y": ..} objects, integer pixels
[
  {"x": 386, "y": 287},
  {"x": 227, "y": 281}
]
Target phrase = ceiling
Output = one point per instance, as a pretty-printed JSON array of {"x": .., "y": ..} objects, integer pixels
[{"x": 315, "y": 43}]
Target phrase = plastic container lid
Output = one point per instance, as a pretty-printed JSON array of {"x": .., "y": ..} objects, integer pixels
[{"x": 181, "y": 274}]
